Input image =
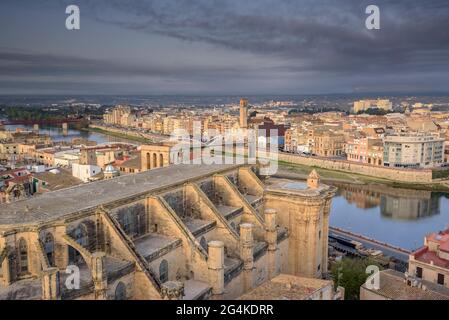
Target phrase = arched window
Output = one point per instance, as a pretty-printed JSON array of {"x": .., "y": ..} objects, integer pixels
[
  {"x": 120, "y": 291},
  {"x": 163, "y": 271},
  {"x": 161, "y": 160},
  {"x": 203, "y": 243},
  {"x": 141, "y": 227},
  {"x": 49, "y": 247},
  {"x": 12, "y": 265},
  {"x": 81, "y": 237},
  {"x": 133, "y": 220},
  {"x": 148, "y": 161},
  {"x": 154, "y": 161},
  {"x": 126, "y": 223},
  {"x": 23, "y": 256}
]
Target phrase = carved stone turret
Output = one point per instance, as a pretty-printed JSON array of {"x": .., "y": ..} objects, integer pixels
[
  {"x": 246, "y": 253},
  {"x": 50, "y": 284},
  {"x": 271, "y": 235},
  {"x": 270, "y": 229},
  {"x": 99, "y": 275},
  {"x": 313, "y": 181},
  {"x": 215, "y": 263},
  {"x": 247, "y": 245}
]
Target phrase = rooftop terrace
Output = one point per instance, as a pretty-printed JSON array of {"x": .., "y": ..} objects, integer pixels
[
  {"x": 432, "y": 253},
  {"x": 295, "y": 188}
]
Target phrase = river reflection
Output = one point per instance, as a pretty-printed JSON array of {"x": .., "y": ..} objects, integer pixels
[
  {"x": 398, "y": 216},
  {"x": 394, "y": 203}
]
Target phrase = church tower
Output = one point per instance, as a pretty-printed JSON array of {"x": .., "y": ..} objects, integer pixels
[{"x": 243, "y": 113}]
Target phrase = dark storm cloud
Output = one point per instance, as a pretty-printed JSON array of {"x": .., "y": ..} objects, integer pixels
[
  {"x": 13, "y": 63},
  {"x": 312, "y": 35},
  {"x": 286, "y": 46}
]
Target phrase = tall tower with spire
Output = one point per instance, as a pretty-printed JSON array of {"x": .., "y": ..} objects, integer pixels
[{"x": 243, "y": 113}]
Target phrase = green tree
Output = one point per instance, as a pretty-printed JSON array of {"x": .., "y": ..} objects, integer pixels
[
  {"x": 351, "y": 274},
  {"x": 374, "y": 112}
]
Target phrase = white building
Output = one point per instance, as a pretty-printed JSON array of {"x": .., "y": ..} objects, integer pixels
[
  {"x": 363, "y": 105},
  {"x": 38, "y": 168},
  {"x": 84, "y": 172},
  {"x": 413, "y": 151},
  {"x": 66, "y": 159}
]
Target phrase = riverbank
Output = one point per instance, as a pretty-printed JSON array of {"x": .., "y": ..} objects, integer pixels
[
  {"x": 297, "y": 171},
  {"x": 118, "y": 135}
]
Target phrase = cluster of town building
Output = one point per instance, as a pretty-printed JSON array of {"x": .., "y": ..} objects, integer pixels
[
  {"x": 414, "y": 139},
  {"x": 209, "y": 122},
  {"x": 32, "y": 163},
  {"x": 401, "y": 140}
]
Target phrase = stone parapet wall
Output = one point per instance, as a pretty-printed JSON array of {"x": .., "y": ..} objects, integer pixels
[{"x": 402, "y": 175}]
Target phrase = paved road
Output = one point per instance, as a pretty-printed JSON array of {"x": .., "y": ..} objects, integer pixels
[{"x": 387, "y": 251}]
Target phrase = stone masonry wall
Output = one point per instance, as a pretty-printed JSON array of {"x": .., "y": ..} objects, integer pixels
[{"x": 403, "y": 175}]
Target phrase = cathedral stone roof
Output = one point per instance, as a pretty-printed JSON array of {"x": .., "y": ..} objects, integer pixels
[{"x": 62, "y": 203}]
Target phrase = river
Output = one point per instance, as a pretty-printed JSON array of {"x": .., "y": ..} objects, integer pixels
[
  {"x": 401, "y": 217},
  {"x": 57, "y": 134}
]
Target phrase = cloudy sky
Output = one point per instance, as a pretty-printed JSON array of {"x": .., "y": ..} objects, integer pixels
[{"x": 223, "y": 47}]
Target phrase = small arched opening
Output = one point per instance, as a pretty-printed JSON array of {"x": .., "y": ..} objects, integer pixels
[
  {"x": 203, "y": 243},
  {"x": 163, "y": 271},
  {"x": 148, "y": 158},
  {"x": 154, "y": 161},
  {"x": 120, "y": 291},
  {"x": 161, "y": 160},
  {"x": 49, "y": 248},
  {"x": 80, "y": 235}
]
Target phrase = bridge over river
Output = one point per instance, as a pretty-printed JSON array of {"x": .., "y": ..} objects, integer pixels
[{"x": 50, "y": 122}]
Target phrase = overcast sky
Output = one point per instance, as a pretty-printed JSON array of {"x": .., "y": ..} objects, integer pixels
[{"x": 223, "y": 47}]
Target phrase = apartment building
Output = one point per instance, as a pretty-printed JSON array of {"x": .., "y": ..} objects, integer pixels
[
  {"x": 413, "y": 150},
  {"x": 328, "y": 143},
  {"x": 365, "y": 150},
  {"x": 363, "y": 105},
  {"x": 120, "y": 115}
]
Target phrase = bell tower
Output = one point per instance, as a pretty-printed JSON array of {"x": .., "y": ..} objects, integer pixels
[{"x": 243, "y": 113}]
